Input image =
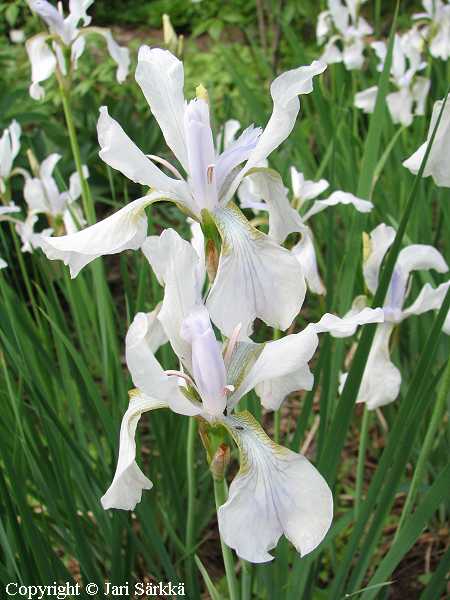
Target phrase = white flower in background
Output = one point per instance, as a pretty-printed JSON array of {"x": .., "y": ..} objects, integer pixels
[
  {"x": 25, "y": 229},
  {"x": 438, "y": 163},
  {"x": 44, "y": 59},
  {"x": 379, "y": 367},
  {"x": 17, "y": 36},
  {"x": 412, "y": 89},
  {"x": 9, "y": 149},
  {"x": 30, "y": 238},
  {"x": 256, "y": 277},
  {"x": 43, "y": 196},
  {"x": 342, "y": 29},
  {"x": 276, "y": 491},
  {"x": 434, "y": 25},
  {"x": 265, "y": 191}
]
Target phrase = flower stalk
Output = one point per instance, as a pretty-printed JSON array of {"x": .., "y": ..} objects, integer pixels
[
  {"x": 220, "y": 495},
  {"x": 86, "y": 195}
]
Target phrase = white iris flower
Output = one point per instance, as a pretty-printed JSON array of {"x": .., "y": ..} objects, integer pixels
[
  {"x": 379, "y": 367},
  {"x": 276, "y": 491},
  {"x": 65, "y": 34},
  {"x": 256, "y": 277}
]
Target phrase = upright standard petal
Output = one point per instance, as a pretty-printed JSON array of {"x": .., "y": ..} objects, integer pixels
[
  {"x": 52, "y": 18},
  {"x": 380, "y": 240},
  {"x": 43, "y": 63},
  {"x": 276, "y": 492},
  {"x": 129, "y": 481},
  {"x": 175, "y": 263},
  {"x": 124, "y": 230},
  {"x": 284, "y": 90},
  {"x": 256, "y": 277},
  {"x": 201, "y": 154},
  {"x": 119, "y": 152},
  {"x": 437, "y": 163},
  {"x": 146, "y": 372},
  {"x": 338, "y": 197},
  {"x": 160, "y": 76},
  {"x": 208, "y": 368}
]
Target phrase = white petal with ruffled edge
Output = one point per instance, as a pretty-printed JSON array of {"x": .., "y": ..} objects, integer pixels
[
  {"x": 429, "y": 298},
  {"x": 126, "y": 229},
  {"x": 175, "y": 263},
  {"x": 256, "y": 277},
  {"x": 346, "y": 326},
  {"x": 338, "y": 197},
  {"x": 120, "y": 153},
  {"x": 129, "y": 481},
  {"x": 276, "y": 492},
  {"x": 282, "y": 364},
  {"x": 160, "y": 76},
  {"x": 380, "y": 240},
  {"x": 146, "y": 372},
  {"x": 43, "y": 63},
  {"x": 437, "y": 163},
  {"x": 284, "y": 90}
]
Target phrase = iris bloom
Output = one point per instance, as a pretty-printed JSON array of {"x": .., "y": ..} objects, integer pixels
[
  {"x": 9, "y": 149},
  {"x": 379, "y": 367},
  {"x": 435, "y": 27},
  {"x": 343, "y": 30},
  {"x": 264, "y": 190},
  {"x": 438, "y": 159},
  {"x": 65, "y": 35},
  {"x": 43, "y": 196},
  {"x": 276, "y": 491},
  {"x": 412, "y": 89},
  {"x": 256, "y": 277}
]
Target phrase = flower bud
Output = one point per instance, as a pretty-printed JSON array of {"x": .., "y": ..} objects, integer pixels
[{"x": 220, "y": 461}]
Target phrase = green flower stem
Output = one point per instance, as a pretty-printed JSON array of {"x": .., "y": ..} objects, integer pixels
[
  {"x": 220, "y": 494},
  {"x": 190, "y": 521},
  {"x": 430, "y": 438},
  {"x": 107, "y": 327},
  {"x": 361, "y": 459},
  {"x": 246, "y": 580},
  {"x": 88, "y": 203}
]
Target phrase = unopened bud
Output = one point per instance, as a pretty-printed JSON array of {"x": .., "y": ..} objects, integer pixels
[
  {"x": 212, "y": 260},
  {"x": 220, "y": 461},
  {"x": 202, "y": 93},
  {"x": 169, "y": 35},
  {"x": 34, "y": 165}
]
